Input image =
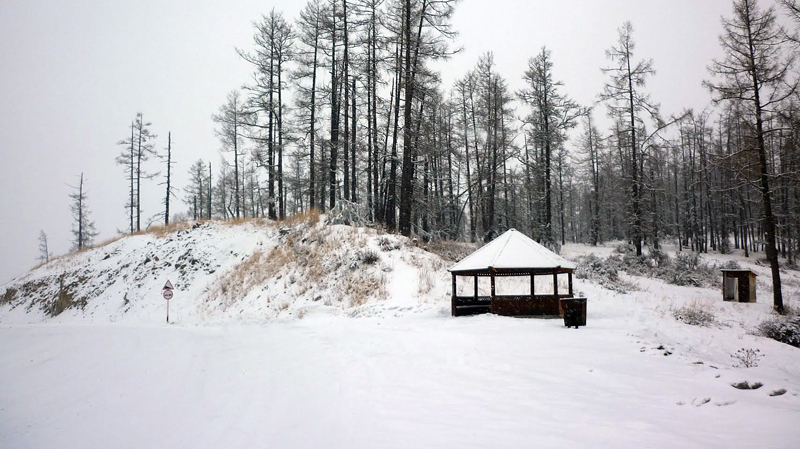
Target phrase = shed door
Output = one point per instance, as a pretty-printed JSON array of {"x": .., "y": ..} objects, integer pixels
[
  {"x": 731, "y": 290},
  {"x": 744, "y": 289}
]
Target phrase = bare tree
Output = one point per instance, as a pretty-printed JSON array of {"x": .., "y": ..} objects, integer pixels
[
  {"x": 553, "y": 115},
  {"x": 167, "y": 158},
  {"x": 83, "y": 229},
  {"x": 232, "y": 118},
  {"x": 754, "y": 72},
  {"x": 418, "y": 16},
  {"x": 623, "y": 91},
  {"x": 310, "y": 30},
  {"x": 44, "y": 251}
]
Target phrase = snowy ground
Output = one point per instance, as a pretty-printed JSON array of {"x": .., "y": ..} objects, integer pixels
[{"x": 405, "y": 374}]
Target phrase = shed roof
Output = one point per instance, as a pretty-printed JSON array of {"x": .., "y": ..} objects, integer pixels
[{"x": 510, "y": 250}]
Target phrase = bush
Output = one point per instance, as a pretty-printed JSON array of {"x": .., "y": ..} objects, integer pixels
[
  {"x": 369, "y": 256},
  {"x": 695, "y": 314},
  {"x": 748, "y": 358},
  {"x": 625, "y": 248},
  {"x": 388, "y": 243},
  {"x": 687, "y": 261},
  {"x": 603, "y": 271},
  {"x": 785, "y": 329},
  {"x": 731, "y": 265}
]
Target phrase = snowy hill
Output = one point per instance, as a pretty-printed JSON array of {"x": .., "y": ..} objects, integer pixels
[
  {"x": 313, "y": 335},
  {"x": 221, "y": 272}
]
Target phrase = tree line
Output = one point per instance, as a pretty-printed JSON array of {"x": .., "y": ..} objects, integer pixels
[{"x": 344, "y": 111}]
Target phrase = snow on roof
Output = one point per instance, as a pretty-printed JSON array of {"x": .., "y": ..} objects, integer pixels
[{"x": 512, "y": 249}]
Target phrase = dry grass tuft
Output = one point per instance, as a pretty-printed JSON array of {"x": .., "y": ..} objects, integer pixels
[
  {"x": 425, "y": 280},
  {"x": 310, "y": 217},
  {"x": 695, "y": 313},
  {"x": 360, "y": 286},
  {"x": 252, "y": 272},
  {"x": 450, "y": 250}
]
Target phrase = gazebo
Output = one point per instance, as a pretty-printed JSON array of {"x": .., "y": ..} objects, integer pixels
[{"x": 524, "y": 278}]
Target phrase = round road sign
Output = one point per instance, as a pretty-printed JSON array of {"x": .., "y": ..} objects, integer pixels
[{"x": 167, "y": 294}]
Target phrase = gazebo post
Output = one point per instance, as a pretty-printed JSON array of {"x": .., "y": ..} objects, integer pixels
[
  {"x": 533, "y": 290},
  {"x": 491, "y": 274},
  {"x": 476, "y": 289},
  {"x": 555, "y": 283},
  {"x": 453, "y": 299},
  {"x": 571, "y": 295}
]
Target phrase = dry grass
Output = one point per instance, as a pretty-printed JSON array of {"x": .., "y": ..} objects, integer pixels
[
  {"x": 252, "y": 272},
  {"x": 310, "y": 217},
  {"x": 425, "y": 280},
  {"x": 361, "y": 286},
  {"x": 695, "y": 313},
  {"x": 164, "y": 231},
  {"x": 450, "y": 250}
]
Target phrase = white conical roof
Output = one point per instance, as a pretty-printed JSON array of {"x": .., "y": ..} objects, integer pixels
[{"x": 512, "y": 249}]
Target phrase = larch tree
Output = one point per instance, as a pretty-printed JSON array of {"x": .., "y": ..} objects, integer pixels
[
  {"x": 553, "y": 114},
  {"x": 309, "y": 30},
  {"x": 144, "y": 149},
  {"x": 137, "y": 150},
  {"x": 426, "y": 28},
  {"x": 232, "y": 118},
  {"x": 755, "y": 72},
  {"x": 274, "y": 41},
  {"x": 128, "y": 160},
  {"x": 83, "y": 229},
  {"x": 623, "y": 92},
  {"x": 197, "y": 192},
  {"x": 44, "y": 250},
  {"x": 170, "y": 188}
]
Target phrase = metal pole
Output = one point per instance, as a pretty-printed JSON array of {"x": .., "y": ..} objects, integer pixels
[{"x": 168, "y": 311}]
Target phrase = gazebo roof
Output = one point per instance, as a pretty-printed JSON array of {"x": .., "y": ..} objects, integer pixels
[{"x": 512, "y": 250}]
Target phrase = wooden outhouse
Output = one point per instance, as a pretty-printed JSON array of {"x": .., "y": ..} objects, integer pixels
[
  {"x": 738, "y": 285},
  {"x": 538, "y": 279}
]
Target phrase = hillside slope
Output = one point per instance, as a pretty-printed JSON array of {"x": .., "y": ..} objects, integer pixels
[{"x": 248, "y": 271}]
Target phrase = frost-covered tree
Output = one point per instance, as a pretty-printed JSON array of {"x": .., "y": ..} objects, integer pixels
[
  {"x": 626, "y": 99},
  {"x": 44, "y": 250},
  {"x": 755, "y": 73},
  {"x": 552, "y": 114},
  {"x": 83, "y": 229}
]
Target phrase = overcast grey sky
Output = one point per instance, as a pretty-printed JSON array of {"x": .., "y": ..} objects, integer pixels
[{"x": 74, "y": 74}]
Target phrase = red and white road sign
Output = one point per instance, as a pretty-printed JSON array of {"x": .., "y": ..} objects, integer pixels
[
  {"x": 168, "y": 286},
  {"x": 167, "y": 294}
]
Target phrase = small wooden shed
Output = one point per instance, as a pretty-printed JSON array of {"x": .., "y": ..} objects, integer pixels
[
  {"x": 541, "y": 278},
  {"x": 738, "y": 285}
]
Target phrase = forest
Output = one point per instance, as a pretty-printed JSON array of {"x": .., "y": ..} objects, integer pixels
[{"x": 346, "y": 114}]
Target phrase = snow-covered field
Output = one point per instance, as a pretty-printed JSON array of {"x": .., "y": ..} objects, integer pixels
[{"x": 397, "y": 372}]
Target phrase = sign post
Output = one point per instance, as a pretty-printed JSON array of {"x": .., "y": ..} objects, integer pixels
[{"x": 166, "y": 292}]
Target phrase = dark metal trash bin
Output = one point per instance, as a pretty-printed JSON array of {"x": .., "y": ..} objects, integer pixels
[{"x": 574, "y": 311}]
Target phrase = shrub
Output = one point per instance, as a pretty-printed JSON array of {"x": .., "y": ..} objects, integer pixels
[
  {"x": 625, "y": 248},
  {"x": 603, "y": 271},
  {"x": 731, "y": 265},
  {"x": 388, "y": 244},
  {"x": 659, "y": 258},
  {"x": 748, "y": 358},
  {"x": 425, "y": 280},
  {"x": 785, "y": 329},
  {"x": 369, "y": 256},
  {"x": 687, "y": 261},
  {"x": 450, "y": 250},
  {"x": 695, "y": 314}
]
